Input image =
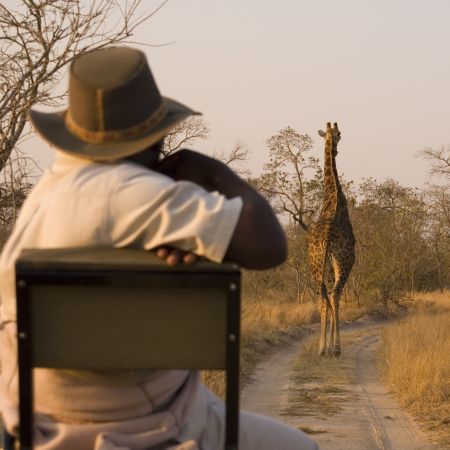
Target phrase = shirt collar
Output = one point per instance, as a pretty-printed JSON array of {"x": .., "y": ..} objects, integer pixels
[{"x": 65, "y": 161}]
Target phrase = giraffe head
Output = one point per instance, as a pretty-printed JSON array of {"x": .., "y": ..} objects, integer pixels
[{"x": 332, "y": 136}]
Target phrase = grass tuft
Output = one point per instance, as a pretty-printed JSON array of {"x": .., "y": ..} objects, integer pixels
[{"x": 309, "y": 430}]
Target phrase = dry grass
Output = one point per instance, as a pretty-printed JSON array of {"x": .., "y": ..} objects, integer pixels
[
  {"x": 261, "y": 320},
  {"x": 349, "y": 312},
  {"x": 310, "y": 430},
  {"x": 436, "y": 297},
  {"x": 416, "y": 359},
  {"x": 266, "y": 324}
]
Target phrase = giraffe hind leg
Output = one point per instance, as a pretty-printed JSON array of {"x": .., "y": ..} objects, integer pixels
[
  {"x": 324, "y": 307},
  {"x": 335, "y": 300},
  {"x": 331, "y": 339}
]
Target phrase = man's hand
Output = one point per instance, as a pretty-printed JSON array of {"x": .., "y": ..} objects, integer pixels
[{"x": 173, "y": 256}]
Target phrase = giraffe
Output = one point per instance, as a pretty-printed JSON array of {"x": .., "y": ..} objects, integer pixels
[{"x": 331, "y": 245}]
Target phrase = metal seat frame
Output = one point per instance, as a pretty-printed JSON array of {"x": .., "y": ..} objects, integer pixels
[{"x": 137, "y": 312}]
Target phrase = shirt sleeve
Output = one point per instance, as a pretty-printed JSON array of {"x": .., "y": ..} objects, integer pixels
[{"x": 148, "y": 210}]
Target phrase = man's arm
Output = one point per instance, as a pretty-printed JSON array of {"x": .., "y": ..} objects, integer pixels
[{"x": 258, "y": 241}]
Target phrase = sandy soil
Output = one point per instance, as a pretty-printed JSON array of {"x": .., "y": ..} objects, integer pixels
[{"x": 359, "y": 414}]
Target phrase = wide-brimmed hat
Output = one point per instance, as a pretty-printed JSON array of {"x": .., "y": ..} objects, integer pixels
[{"x": 115, "y": 107}]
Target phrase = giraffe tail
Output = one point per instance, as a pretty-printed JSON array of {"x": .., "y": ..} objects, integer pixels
[
  {"x": 323, "y": 286},
  {"x": 324, "y": 294}
]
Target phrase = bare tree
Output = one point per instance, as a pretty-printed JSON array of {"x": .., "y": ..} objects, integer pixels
[
  {"x": 193, "y": 128},
  {"x": 438, "y": 202},
  {"x": 15, "y": 184},
  {"x": 39, "y": 38},
  {"x": 440, "y": 160},
  {"x": 236, "y": 158},
  {"x": 285, "y": 179},
  {"x": 184, "y": 134}
]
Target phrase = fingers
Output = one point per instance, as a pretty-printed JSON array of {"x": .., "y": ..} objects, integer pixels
[
  {"x": 190, "y": 258},
  {"x": 173, "y": 256},
  {"x": 169, "y": 255},
  {"x": 162, "y": 252}
]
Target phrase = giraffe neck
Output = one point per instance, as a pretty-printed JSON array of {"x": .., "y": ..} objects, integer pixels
[
  {"x": 334, "y": 202},
  {"x": 341, "y": 212}
]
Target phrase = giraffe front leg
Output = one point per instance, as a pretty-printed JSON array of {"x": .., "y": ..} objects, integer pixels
[
  {"x": 335, "y": 339},
  {"x": 330, "y": 347},
  {"x": 323, "y": 326}
]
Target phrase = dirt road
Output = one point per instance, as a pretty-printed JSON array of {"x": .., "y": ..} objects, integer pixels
[{"x": 345, "y": 407}]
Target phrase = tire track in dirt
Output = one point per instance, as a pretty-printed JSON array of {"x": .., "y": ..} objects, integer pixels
[
  {"x": 391, "y": 427},
  {"x": 368, "y": 418},
  {"x": 268, "y": 390}
]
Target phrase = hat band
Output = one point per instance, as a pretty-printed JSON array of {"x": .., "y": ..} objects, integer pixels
[{"x": 110, "y": 136}]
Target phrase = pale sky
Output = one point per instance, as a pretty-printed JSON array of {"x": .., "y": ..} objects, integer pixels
[{"x": 381, "y": 69}]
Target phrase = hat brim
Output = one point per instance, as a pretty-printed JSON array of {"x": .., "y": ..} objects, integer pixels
[{"x": 52, "y": 127}]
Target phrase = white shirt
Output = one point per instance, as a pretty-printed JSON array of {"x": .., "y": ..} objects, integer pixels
[{"x": 120, "y": 204}]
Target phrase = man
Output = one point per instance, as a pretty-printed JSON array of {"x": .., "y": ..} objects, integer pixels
[{"x": 109, "y": 188}]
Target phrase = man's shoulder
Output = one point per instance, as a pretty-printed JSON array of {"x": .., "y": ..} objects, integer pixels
[
  {"x": 123, "y": 173},
  {"x": 128, "y": 172}
]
